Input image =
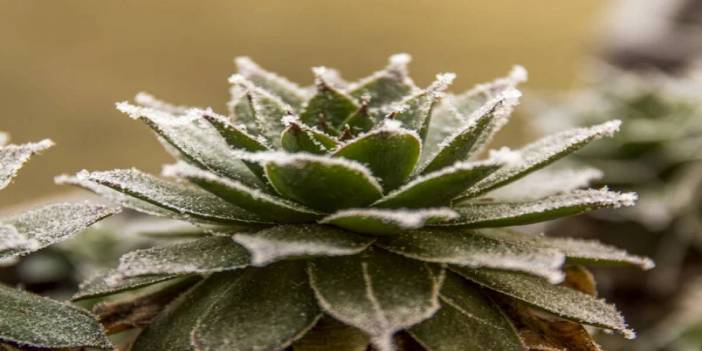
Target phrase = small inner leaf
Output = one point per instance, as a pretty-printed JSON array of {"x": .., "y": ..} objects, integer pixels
[
  {"x": 322, "y": 183},
  {"x": 284, "y": 241},
  {"x": 481, "y": 214},
  {"x": 415, "y": 111},
  {"x": 329, "y": 108},
  {"x": 390, "y": 152},
  {"x": 388, "y": 221},
  {"x": 298, "y": 137},
  {"x": 440, "y": 187},
  {"x": 386, "y": 86}
]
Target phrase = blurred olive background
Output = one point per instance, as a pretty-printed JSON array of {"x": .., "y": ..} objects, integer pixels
[{"x": 63, "y": 64}]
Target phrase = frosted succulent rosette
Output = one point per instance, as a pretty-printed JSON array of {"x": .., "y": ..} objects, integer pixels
[
  {"x": 29, "y": 320},
  {"x": 349, "y": 214}
]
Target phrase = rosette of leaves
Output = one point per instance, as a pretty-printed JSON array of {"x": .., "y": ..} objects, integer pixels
[
  {"x": 355, "y": 215},
  {"x": 31, "y": 321}
]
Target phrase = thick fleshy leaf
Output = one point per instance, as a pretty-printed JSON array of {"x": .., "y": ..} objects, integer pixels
[
  {"x": 377, "y": 292},
  {"x": 580, "y": 251},
  {"x": 49, "y": 224},
  {"x": 388, "y": 221},
  {"x": 170, "y": 330},
  {"x": 390, "y": 152},
  {"x": 298, "y": 137},
  {"x": 475, "y": 134},
  {"x": 476, "y": 249},
  {"x": 386, "y": 86},
  {"x": 31, "y": 320},
  {"x": 328, "y": 108},
  {"x": 330, "y": 334},
  {"x": 11, "y": 239},
  {"x": 288, "y": 91},
  {"x": 271, "y": 307},
  {"x": 268, "y": 110},
  {"x": 501, "y": 214},
  {"x": 467, "y": 320},
  {"x": 111, "y": 283},
  {"x": 440, "y": 187},
  {"x": 546, "y": 182},
  {"x": 564, "y": 302},
  {"x": 284, "y": 241},
  {"x": 206, "y": 255},
  {"x": 184, "y": 199},
  {"x": 13, "y": 157},
  {"x": 542, "y": 153},
  {"x": 266, "y": 206},
  {"x": 322, "y": 183},
  {"x": 415, "y": 111},
  {"x": 194, "y": 139},
  {"x": 360, "y": 121}
]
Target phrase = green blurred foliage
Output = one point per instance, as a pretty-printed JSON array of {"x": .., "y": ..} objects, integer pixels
[{"x": 64, "y": 63}]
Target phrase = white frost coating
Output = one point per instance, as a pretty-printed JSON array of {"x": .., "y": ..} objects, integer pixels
[
  {"x": 388, "y": 125},
  {"x": 290, "y": 119},
  {"x": 546, "y": 182},
  {"x": 403, "y": 218},
  {"x": 396, "y": 68},
  {"x": 4, "y": 138},
  {"x": 10, "y": 239},
  {"x": 147, "y": 100},
  {"x": 442, "y": 82},
  {"x": 516, "y": 76},
  {"x": 506, "y": 156},
  {"x": 13, "y": 157},
  {"x": 248, "y": 68}
]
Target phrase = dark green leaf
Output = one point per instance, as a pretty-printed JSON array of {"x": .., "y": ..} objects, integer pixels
[
  {"x": 476, "y": 249},
  {"x": 298, "y": 137},
  {"x": 31, "y": 320},
  {"x": 415, "y": 111},
  {"x": 377, "y": 292},
  {"x": 564, "y": 302},
  {"x": 480, "y": 214},
  {"x": 467, "y": 320},
  {"x": 171, "y": 330},
  {"x": 284, "y": 241},
  {"x": 390, "y": 153},
  {"x": 330, "y": 334},
  {"x": 183, "y": 199},
  {"x": 388, "y": 221},
  {"x": 438, "y": 188},
  {"x": 271, "y": 307},
  {"x": 111, "y": 283},
  {"x": 321, "y": 183},
  {"x": 386, "y": 86},
  {"x": 328, "y": 108},
  {"x": 266, "y": 206}
]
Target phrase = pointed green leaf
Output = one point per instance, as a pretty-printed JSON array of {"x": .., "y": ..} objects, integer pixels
[
  {"x": 52, "y": 223},
  {"x": 377, "y": 292},
  {"x": 502, "y": 214},
  {"x": 271, "y": 82},
  {"x": 171, "y": 329},
  {"x": 360, "y": 121},
  {"x": 13, "y": 157},
  {"x": 542, "y": 153},
  {"x": 386, "y": 86},
  {"x": 475, "y": 249},
  {"x": 440, "y": 187},
  {"x": 322, "y": 183},
  {"x": 271, "y": 307},
  {"x": 194, "y": 139},
  {"x": 239, "y": 138},
  {"x": 266, "y": 206},
  {"x": 111, "y": 283},
  {"x": 284, "y": 241},
  {"x": 476, "y": 97},
  {"x": 330, "y": 334},
  {"x": 328, "y": 108},
  {"x": 415, "y": 111},
  {"x": 467, "y": 320},
  {"x": 564, "y": 302},
  {"x": 268, "y": 109},
  {"x": 475, "y": 134},
  {"x": 387, "y": 221},
  {"x": 298, "y": 137},
  {"x": 181, "y": 198},
  {"x": 240, "y": 109},
  {"x": 31, "y": 320},
  {"x": 389, "y": 152},
  {"x": 206, "y": 255}
]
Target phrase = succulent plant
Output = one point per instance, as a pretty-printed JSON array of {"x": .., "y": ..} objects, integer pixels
[
  {"x": 28, "y": 320},
  {"x": 349, "y": 216}
]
